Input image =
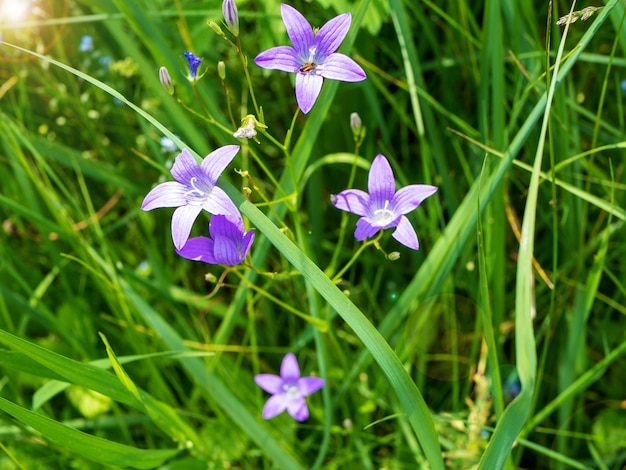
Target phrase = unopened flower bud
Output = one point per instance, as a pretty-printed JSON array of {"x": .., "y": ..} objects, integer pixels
[
  {"x": 166, "y": 80},
  {"x": 221, "y": 70},
  {"x": 355, "y": 123},
  {"x": 231, "y": 16},
  {"x": 215, "y": 27},
  {"x": 393, "y": 256}
]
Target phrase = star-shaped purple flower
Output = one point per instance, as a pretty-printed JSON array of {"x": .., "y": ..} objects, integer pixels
[
  {"x": 312, "y": 57},
  {"x": 229, "y": 245},
  {"x": 383, "y": 207},
  {"x": 194, "y": 190},
  {"x": 288, "y": 390}
]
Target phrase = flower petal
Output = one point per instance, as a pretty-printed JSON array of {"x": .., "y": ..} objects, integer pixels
[
  {"x": 341, "y": 67},
  {"x": 168, "y": 194},
  {"x": 270, "y": 383},
  {"x": 185, "y": 167},
  {"x": 222, "y": 226},
  {"x": 352, "y": 200},
  {"x": 405, "y": 234},
  {"x": 279, "y": 58},
  {"x": 364, "y": 229},
  {"x": 226, "y": 252},
  {"x": 274, "y": 406},
  {"x": 298, "y": 29},
  {"x": 308, "y": 385},
  {"x": 308, "y": 88},
  {"x": 216, "y": 162},
  {"x": 198, "y": 249},
  {"x": 331, "y": 35},
  {"x": 182, "y": 221},
  {"x": 409, "y": 197},
  {"x": 289, "y": 369},
  {"x": 219, "y": 203},
  {"x": 381, "y": 183},
  {"x": 298, "y": 409}
]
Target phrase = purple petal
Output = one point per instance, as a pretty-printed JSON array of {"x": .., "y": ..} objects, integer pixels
[
  {"x": 364, "y": 229},
  {"x": 409, "y": 197},
  {"x": 223, "y": 226},
  {"x": 331, "y": 35},
  {"x": 298, "y": 29},
  {"x": 219, "y": 203},
  {"x": 289, "y": 369},
  {"x": 308, "y": 385},
  {"x": 380, "y": 183},
  {"x": 182, "y": 220},
  {"x": 168, "y": 194},
  {"x": 352, "y": 200},
  {"x": 226, "y": 252},
  {"x": 216, "y": 162},
  {"x": 341, "y": 67},
  {"x": 308, "y": 88},
  {"x": 185, "y": 167},
  {"x": 274, "y": 406},
  {"x": 198, "y": 249},
  {"x": 405, "y": 234},
  {"x": 279, "y": 58},
  {"x": 270, "y": 383},
  {"x": 298, "y": 409}
]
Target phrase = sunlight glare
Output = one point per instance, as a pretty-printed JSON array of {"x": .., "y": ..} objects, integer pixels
[{"x": 13, "y": 10}]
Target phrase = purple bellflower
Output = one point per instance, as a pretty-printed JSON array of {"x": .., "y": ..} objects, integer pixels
[
  {"x": 288, "y": 390},
  {"x": 194, "y": 190},
  {"x": 194, "y": 62},
  {"x": 383, "y": 207},
  {"x": 312, "y": 57},
  {"x": 229, "y": 245},
  {"x": 231, "y": 16}
]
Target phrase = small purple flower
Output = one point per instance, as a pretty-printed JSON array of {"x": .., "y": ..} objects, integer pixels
[
  {"x": 288, "y": 390},
  {"x": 194, "y": 189},
  {"x": 312, "y": 57},
  {"x": 194, "y": 62},
  {"x": 229, "y": 244},
  {"x": 383, "y": 207}
]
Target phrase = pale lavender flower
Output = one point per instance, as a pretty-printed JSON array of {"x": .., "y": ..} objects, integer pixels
[
  {"x": 312, "y": 57},
  {"x": 194, "y": 190},
  {"x": 288, "y": 390},
  {"x": 229, "y": 245},
  {"x": 194, "y": 62},
  {"x": 231, "y": 16},
  {"x": 383, "y": 207}
]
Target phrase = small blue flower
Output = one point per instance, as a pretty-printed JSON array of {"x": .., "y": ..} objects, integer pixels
[
  {"x": 228, "y": 244},
  {"x": 168, "y": 145},
  {"x": 288, "y": 390},
  {"x": 86, "y": 43},
  {"x": 194, "y": 62}
]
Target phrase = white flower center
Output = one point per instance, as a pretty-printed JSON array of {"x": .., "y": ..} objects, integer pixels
[
  {"x": 383, "y": 216},
  {"x": 292, "y": 391},
  {"x": 199, "y": 192}
]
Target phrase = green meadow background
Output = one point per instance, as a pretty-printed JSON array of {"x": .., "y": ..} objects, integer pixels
[{"x": 499, "y": 344}]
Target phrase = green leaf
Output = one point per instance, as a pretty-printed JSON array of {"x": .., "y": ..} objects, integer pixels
[{"x": 93, "y": 448}]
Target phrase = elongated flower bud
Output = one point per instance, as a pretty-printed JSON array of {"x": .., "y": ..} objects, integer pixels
[
  {"x": 166, "y": 80},
  {"x": 221, "y": 70},
  {"x": 231, "y": 16}
]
